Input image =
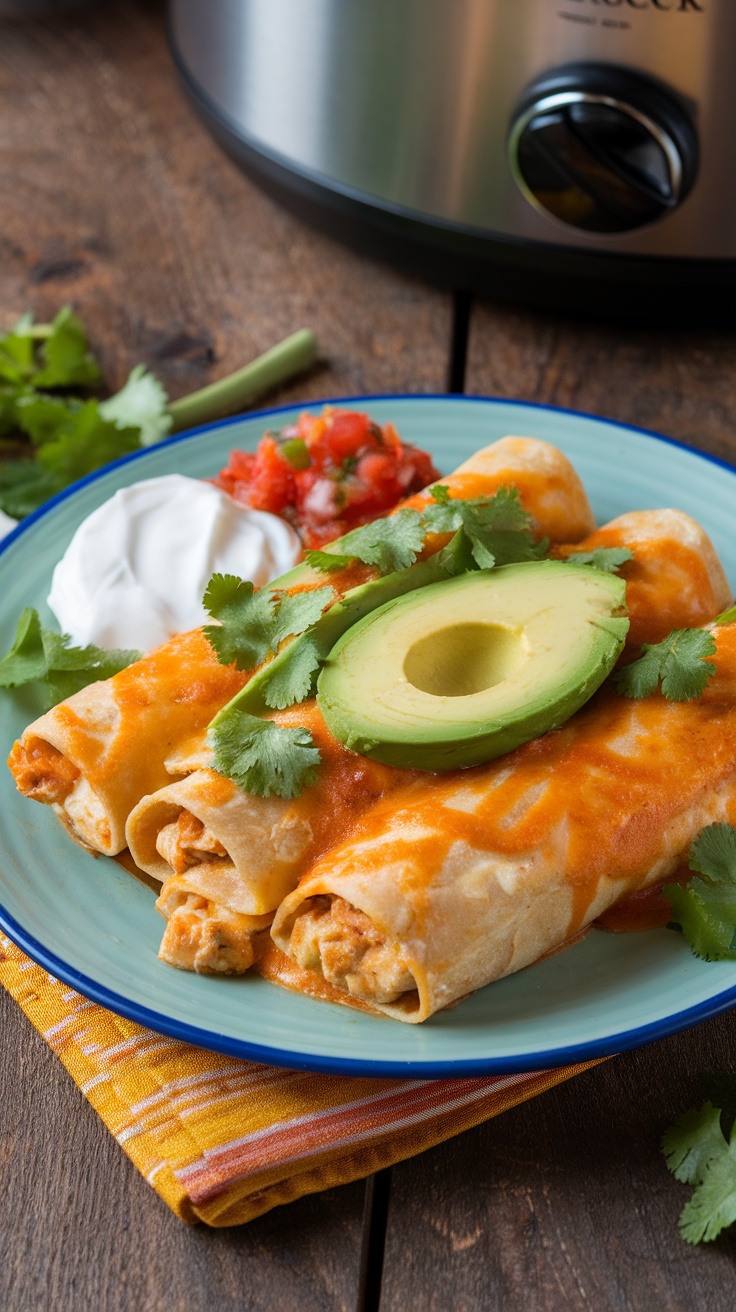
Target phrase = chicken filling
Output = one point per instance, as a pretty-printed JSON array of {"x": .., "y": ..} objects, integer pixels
[
  {"x": 187, "y": 842},
  {"x": 205, "y": 937},
  {"x": 343, "y": 944},
  {"x": 42, "y": 772}
]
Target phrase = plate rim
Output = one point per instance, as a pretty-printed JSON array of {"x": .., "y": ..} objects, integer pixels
[{"x": 159, "y": 1022}]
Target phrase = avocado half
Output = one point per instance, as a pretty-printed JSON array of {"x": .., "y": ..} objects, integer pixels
[{"x": 467, "y": 669}]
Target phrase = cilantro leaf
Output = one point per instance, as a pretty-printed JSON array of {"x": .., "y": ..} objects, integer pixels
[
  {"x": 40, "y": 415},
  {"x": 726, "y": 616},
  {"x": 293, "y": 681},
  {"x": 327, "y": 561},
  {"x": 705, "y": 909},
  {"x": 678, "y": 661},
  {"x": 692, "y": 1141},
  {"x": 698, "y": 1153},
  {"x": 26, "y": 660},
  {"x": 497, "y": 526},
  {"x": 607, "y": 559},
  {"x": 713, "y": 1205},
  {"x": 17, "y": 359},
  {"x": 141, "y": 403},
  {"x": 713, "y": 853},
  {"x": 262, "y": 758},
  {"x": 24, "y": 486},
  {"x": 85, "y": 442},
  {"x": 390, "y": 544},
  {"x": 38, "y": 655},
  {"x": 253, "y": 624},
  {"x": 298, "y": 611},
  {"x": 246, "y": 620},
  {"x": 67, "y": 359}
]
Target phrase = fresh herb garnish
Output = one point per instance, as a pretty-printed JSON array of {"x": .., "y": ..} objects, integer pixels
[
  {"x": 726, "y": 616},
  {"x": 38, "y": 655},
  {"x": 262, "y": 758},
  {"x": 498, "y": 527},
  {"x": 700, "y": 1149},
  {"x": 678, "y": 662},
  {"x": 705, "y": 909},
  {"x": 328, "y": 561},
  {"x": 607, "y": 559},
  {"x": 52, "y": 437},
  {"x": 294, "y": 678},
  {"x": 252, "y": 624},
  {"x": 390, "y": 544}
]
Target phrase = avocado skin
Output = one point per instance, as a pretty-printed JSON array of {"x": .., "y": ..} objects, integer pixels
[
  {"x": 456, "y": 558},
  {"x": 491, "y": 738}
]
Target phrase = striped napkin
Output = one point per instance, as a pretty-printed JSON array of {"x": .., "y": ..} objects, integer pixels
[{"x": 223, "y": 1140}]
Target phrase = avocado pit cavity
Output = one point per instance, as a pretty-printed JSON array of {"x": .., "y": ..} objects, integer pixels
[
  {"x": 463, "y": 659},
  {"x": 461, "y": 671}
]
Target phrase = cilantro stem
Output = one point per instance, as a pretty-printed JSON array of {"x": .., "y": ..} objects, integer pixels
[{"x": 291, "y": 356}]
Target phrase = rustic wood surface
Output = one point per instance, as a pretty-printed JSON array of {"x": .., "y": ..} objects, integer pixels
[{"x": 114, "y": 198}]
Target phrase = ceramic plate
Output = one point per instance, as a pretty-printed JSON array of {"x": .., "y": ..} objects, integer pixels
[{"x": 92, "y": 925}]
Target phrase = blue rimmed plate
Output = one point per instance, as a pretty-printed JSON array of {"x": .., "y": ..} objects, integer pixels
[{"x": 92, "y": 925}]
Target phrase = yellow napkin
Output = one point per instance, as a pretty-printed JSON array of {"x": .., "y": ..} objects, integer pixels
[{"x": 223, "y": 1140}]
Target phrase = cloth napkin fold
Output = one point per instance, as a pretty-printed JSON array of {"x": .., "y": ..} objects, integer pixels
[{"x": 223, "y": 1140}]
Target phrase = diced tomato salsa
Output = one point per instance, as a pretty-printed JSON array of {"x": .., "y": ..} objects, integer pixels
[{"x": 327, "y": 473}]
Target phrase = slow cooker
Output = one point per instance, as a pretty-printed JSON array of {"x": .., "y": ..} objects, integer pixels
[{"x": 571, "y": 153}]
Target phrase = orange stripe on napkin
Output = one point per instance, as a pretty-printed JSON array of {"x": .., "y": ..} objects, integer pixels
[{"x": 223, "y": 1140}]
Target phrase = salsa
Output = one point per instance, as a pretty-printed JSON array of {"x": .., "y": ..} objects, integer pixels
[{"x": 327, "y": 473}]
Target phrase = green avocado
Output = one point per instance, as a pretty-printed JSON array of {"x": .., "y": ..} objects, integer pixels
[
  {"x": 259, "y": 694},
  {"x": 467, "y": 669}
]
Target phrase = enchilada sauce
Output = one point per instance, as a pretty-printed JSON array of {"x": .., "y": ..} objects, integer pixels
[{"x": 600, "y": 801}]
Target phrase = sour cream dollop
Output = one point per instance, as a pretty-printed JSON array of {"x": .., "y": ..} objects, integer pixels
[{"x": 136, "y": 569}]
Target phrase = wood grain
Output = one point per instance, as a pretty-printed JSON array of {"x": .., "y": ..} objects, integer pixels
[
  {"x": 565, "y": 1203},
  {"x": 679, "y": 383},
  {"x": 113, "y": 197},
  {"x": 81, "y": 1229}
]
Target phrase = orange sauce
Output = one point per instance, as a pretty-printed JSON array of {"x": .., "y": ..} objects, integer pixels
[{"x": 615, "y": 805}]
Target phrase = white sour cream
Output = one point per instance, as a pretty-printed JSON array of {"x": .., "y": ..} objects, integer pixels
[{"x": 136, "y": 569}]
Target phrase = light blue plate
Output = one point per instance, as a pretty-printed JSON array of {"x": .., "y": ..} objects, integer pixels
[{"x": 92, "y": 925}]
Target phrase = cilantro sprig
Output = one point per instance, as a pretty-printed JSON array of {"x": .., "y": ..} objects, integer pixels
[
  {"x": 705, "y": 909},
  {"x": 53, "y": 433},
  {"x": 700, "y": 1149},
  {"x": 679, "y": 663},
  {"x": 262, "y": 758},
  {"x": 390, "y": 544},
  {"x": 498, "y": 527},
  {"x": 38, "y": 655},
  {"x": 253, "y": 623}
]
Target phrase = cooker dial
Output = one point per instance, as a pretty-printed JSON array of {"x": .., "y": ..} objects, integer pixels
[{"x": 602, "y": 149}]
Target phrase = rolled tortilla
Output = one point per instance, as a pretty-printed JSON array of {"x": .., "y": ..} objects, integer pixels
[
  {"x": 450, "y": 885},
  {"x": 93, "y": 757},
  {"x": 550, "y": 489},
  {"x": 96, "y": 754},
  {"x": 204, "y": 838},
  {"x": 675, "y": 579},
  {"x": 266, "y": 845}
]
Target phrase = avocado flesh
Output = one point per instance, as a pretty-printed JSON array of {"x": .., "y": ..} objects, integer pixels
[
  {"x": 470, "y": 668},
  {"x": 454, "y": 559}
]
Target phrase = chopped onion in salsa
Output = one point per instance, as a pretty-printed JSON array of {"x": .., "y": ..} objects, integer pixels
[{"x": 327, "y": 473}]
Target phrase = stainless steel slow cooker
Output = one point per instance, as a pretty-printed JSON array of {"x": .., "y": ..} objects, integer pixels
[{"x": 565, "y": 152}]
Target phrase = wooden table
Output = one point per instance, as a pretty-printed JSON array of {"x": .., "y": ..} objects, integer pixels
[{"x": 114, "y": 198}]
